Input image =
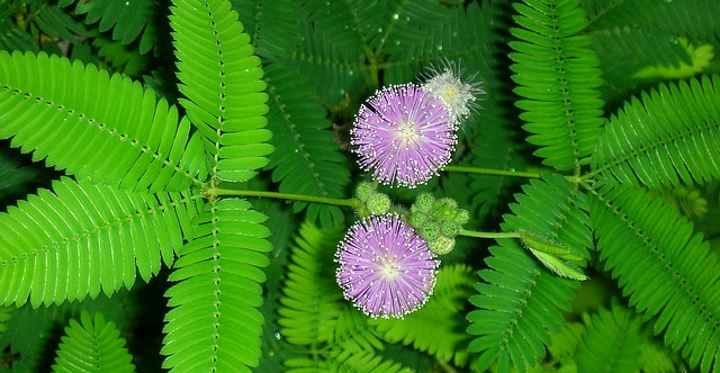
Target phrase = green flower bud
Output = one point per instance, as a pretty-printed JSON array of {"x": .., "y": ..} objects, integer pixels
[
  {"x": 450, "y": 229},
  {"x": 430, "y": 231},
  {"x": 378, "y": 204},
  {"x": 424, "y": 202},
  {"x": 418, "y": 219},
  {"x": 442, "y": 245},
  {"x": 462, "y": 217},
  {"x": 364, "y": 190}
]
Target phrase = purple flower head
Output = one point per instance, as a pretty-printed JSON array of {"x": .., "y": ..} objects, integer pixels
[
  {"x": 404, "y": 135},
  {"x": 385, "y": 268}
]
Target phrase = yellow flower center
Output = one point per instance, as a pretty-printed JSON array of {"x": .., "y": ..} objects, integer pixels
[
  {"x": 389, "y": 269},
  {"x": 449, "y": 93},
  {"x": 407, "y": 133}
]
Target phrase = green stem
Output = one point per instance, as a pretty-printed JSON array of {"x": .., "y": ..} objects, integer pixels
[
  {"x": 492, "y": 171},
  {"x": 476, "y": 234},
  {"x": 350, "y": 202}
]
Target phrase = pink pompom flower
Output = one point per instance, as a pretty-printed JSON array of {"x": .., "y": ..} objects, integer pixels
[
  {"x": 385, "y": 268},
  {"x": 403, "y": 135}
]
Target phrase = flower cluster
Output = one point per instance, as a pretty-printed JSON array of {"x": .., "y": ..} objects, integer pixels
[
  {"x": 385, "y": 268},
  {"x": 405, "y": 134},
  {"x": 438, "y": 221}
]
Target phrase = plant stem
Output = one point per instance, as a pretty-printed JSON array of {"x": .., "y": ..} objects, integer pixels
[
  {"x": 492, "y": 171},
  {"x": 476, "y": 234},
  {"x": 350, "y": 202}
]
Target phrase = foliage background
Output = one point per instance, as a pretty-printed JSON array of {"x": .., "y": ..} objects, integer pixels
[{"x": 321, "y": 59}]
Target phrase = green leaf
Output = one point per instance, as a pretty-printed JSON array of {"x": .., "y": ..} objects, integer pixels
[
  {"x": 13, "y": 38},
  {"x": 120, "y": 57},
  {"x": 92, "y": 345},
  {"x": 221, "y": 80},
  {"x": 520, "y": 302},
  {"x": 611, "y": 342},
  {"x": 86, "y": 122},
  {"x": 312, "y": 299},
  {"x": 565, "y": 341},
  {"x": 308, "y": 160},
  {"x": 53, "y": 21},
  {"x": 667, "y": 137},
  {"x": 437, "y": 326},
  {"x": 668, "y": 272},
  {"x": 215, "y": 323},
  {"x": 33, "y": 334},
  {"x": 558, "y": 78},
  {"x": 128, "y": 19},
  {"x": 80, "y": 239},
  {"x": 358, "y": 363}
]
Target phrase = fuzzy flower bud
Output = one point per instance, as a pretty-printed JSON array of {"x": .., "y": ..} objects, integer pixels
[
  {"x": 457, "y": 95},
  {"x": 442, "y": 245},
  {"x": 364, "y": 190},
  {"x": 378, "y": 204},
  {"x": 424, "y": 202}
]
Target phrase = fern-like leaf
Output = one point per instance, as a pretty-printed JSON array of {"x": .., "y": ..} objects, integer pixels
[
  {"x": 53, "y": 21},
  {"x": 80, "y": 239},
  {"x": 310, "y": 161},
  {"x": 56, "y": 108},
  {"x": 214, "y": 323},
  {"x": 12, "y": 37},
  {"x": 437, "y": 327},
  {"x": 128, "y": 19},
  {"x": 669, "y": 136},
  {"x": 311, "y": 297},
  {"x": 520, "y": 302},
  {"x": 611, "y": 342},
  {"x": 221, "y": 80},
  {"x": 668, "y": 271},
  {"x": 92, "y": 345},
  {"x": 366, "y": 362},
  {"x": 558, "y": 79}
]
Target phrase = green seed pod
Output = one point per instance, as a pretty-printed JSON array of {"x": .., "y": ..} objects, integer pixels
[
  {"x": 442, "y": 245},
  {"x": 378, "y": 204}
]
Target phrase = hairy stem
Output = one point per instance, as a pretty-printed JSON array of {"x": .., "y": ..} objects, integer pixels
[
  {"x": 476, "y": 234},
  {"x": 350, "y": 202},
  {"x": 492, "y": 171}
]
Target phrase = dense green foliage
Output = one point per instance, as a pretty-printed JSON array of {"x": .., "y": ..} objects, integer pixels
[{"x": 136, "y": 135}]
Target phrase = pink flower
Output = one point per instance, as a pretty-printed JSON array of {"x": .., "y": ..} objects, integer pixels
[
  {"x": 404, "y": 135},
  {"x": 385, "y": 268}
]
